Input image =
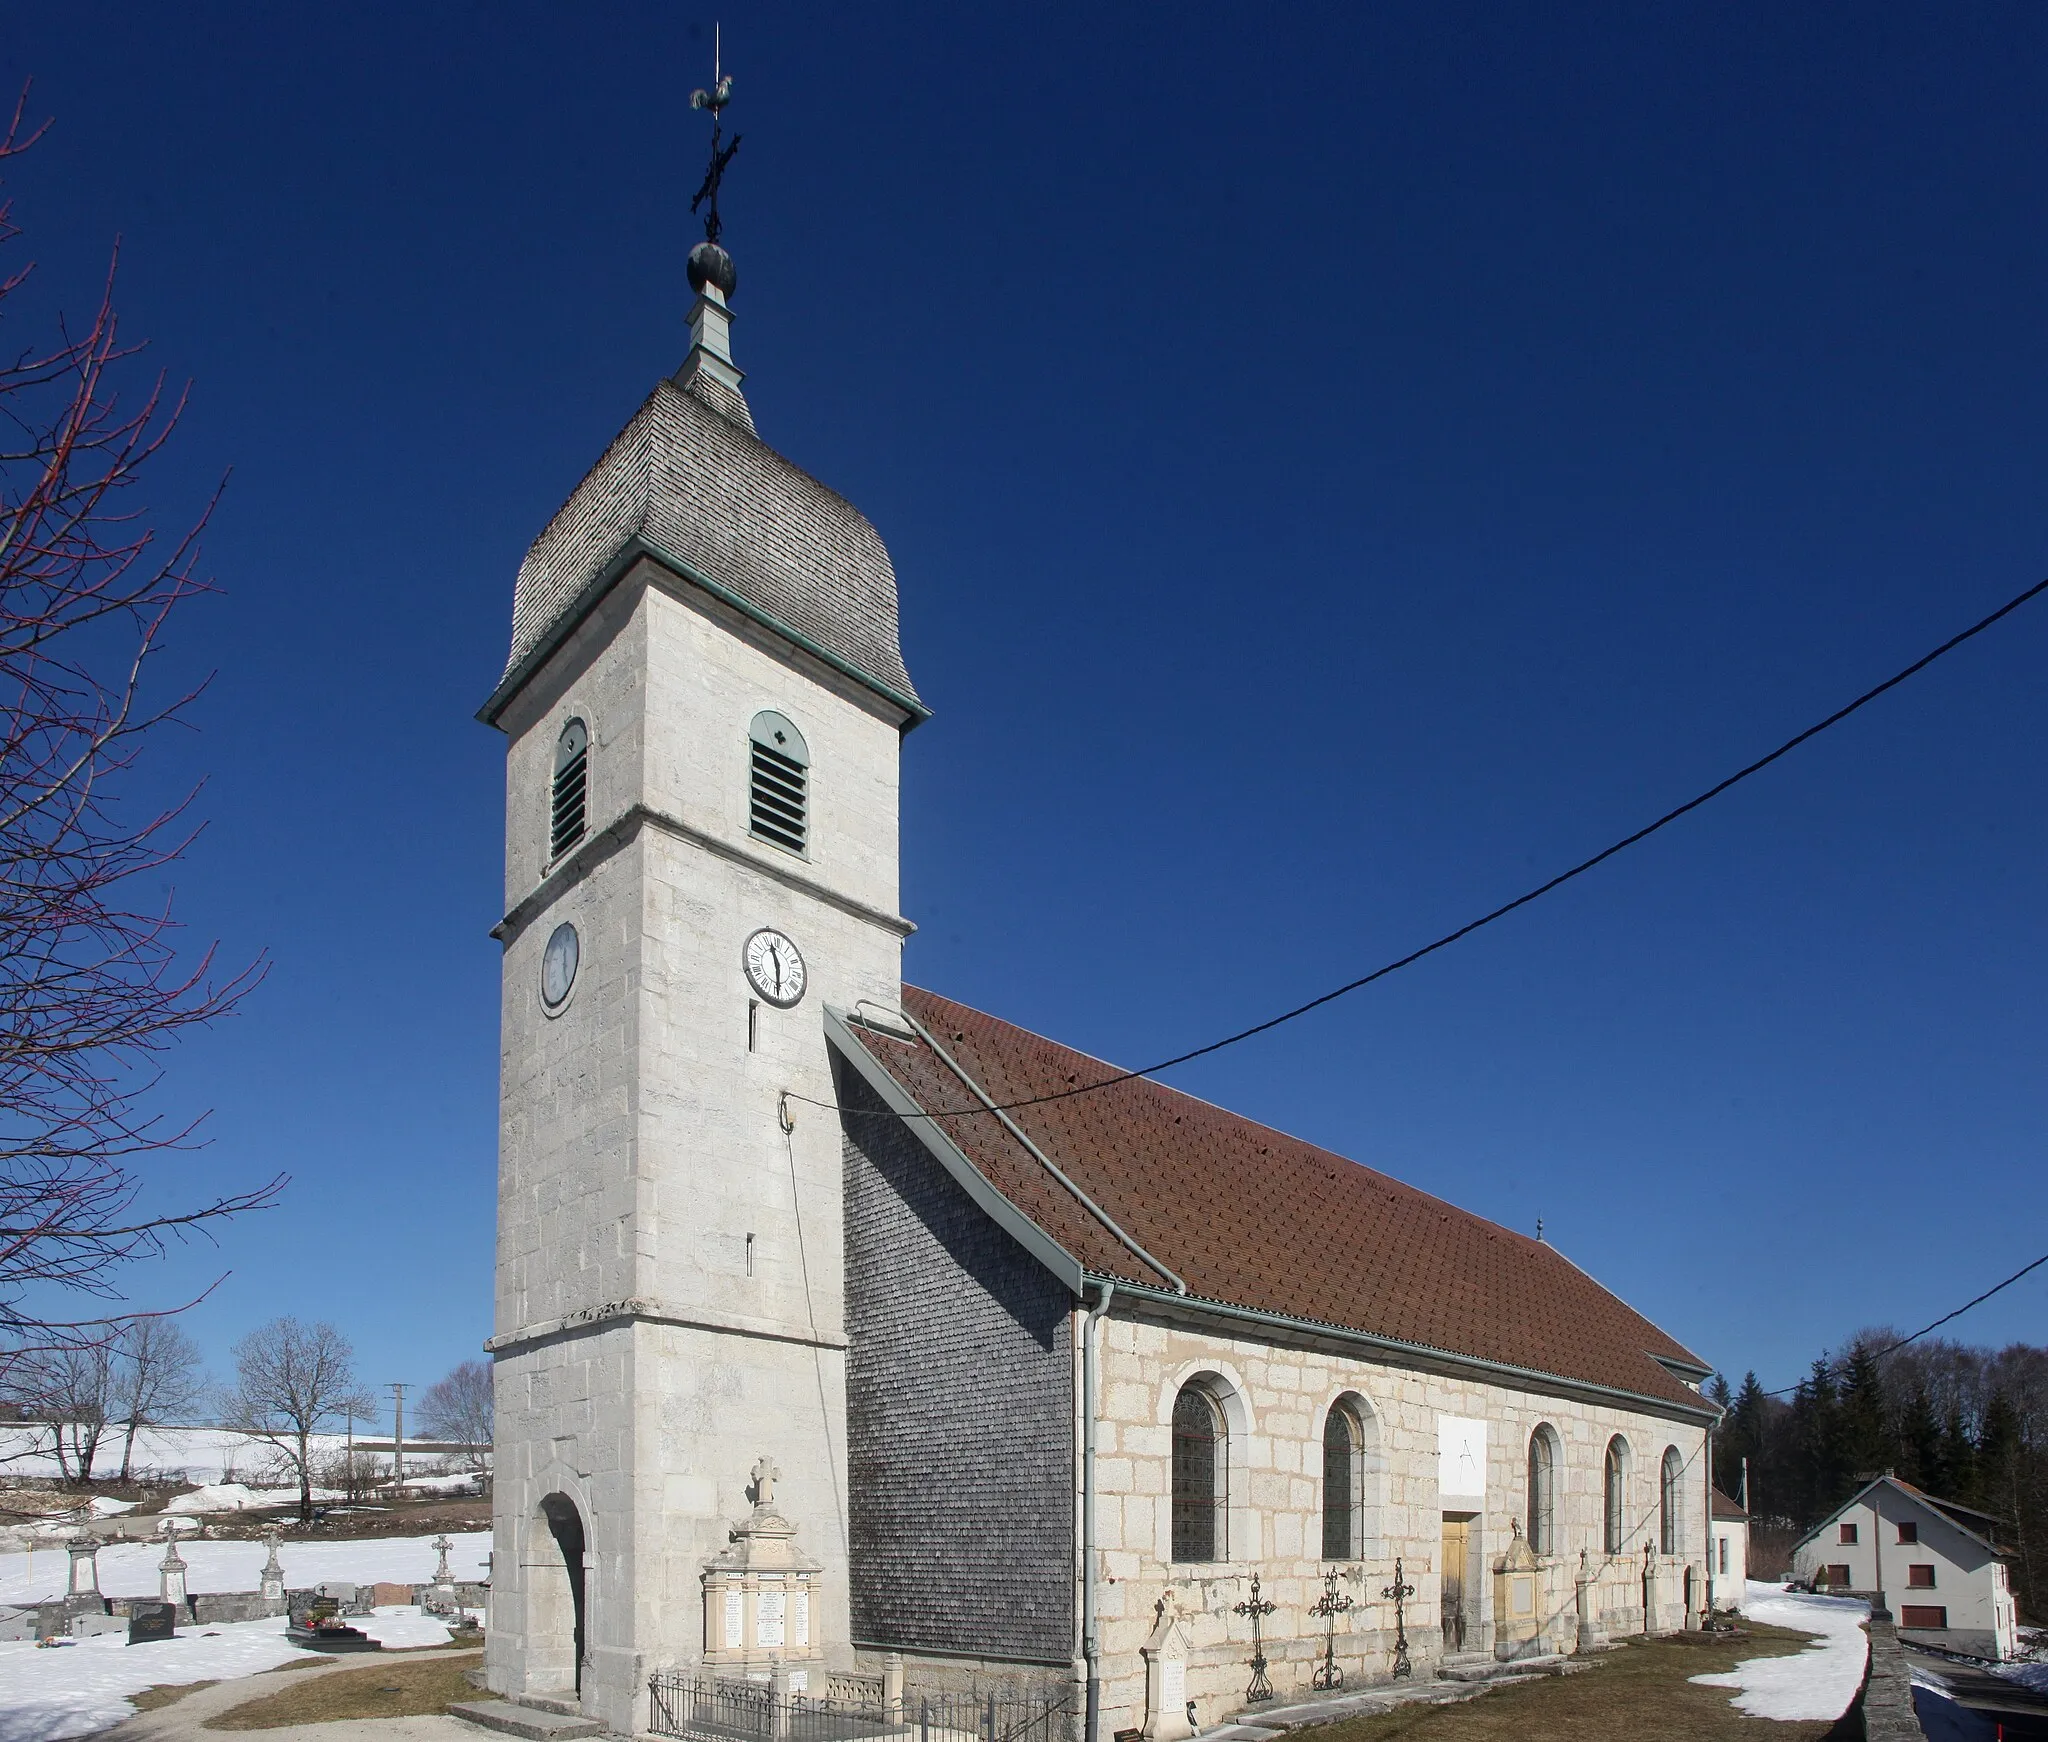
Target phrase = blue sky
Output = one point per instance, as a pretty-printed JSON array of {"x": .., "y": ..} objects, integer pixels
[{"x": 1343, "y": 464}]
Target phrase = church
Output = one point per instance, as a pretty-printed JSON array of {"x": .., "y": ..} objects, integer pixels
[{"x": 849, "y": 1338}]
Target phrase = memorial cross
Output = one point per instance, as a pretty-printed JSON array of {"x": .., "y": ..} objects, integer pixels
[
  {"x": 1330, "y": 1606},
  {"x": 766, "y": 1475},
  {"x": 1398, "y": 1593},
  {"x": 1257, "y": 1608}
]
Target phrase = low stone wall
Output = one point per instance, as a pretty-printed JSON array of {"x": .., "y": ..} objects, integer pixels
[{"x": 1887, "y": 1699}]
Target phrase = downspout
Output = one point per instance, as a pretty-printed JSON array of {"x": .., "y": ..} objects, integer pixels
[
  {"x": 1091, "y": 1644},
  {"x": 1707, "y": 1613}
]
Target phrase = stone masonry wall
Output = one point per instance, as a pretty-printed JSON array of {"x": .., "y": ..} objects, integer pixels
[
  {"x": 1276, "y": 1396},
  {"x": 960, "y": 1413}
]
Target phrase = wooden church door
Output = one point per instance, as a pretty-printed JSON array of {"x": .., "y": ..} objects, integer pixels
[{"x": 1456, "y": 1531}]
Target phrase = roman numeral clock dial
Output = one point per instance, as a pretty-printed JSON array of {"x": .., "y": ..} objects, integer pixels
[{"x": 775, "y": 967}]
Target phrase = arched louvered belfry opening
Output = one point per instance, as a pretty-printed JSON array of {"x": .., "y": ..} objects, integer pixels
[
  {"x": 1543, "y": 1462},
  {"x": 569, "y": 793},
  {"x": 1201, "y": 1475},
  {"x": 1670, "y": 1515},
  {"x": 779, "y": 783},
  {"x": 1614, "y": 1493}
]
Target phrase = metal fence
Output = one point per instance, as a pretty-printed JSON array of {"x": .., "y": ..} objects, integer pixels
[{"x": 718, "y": 1710}]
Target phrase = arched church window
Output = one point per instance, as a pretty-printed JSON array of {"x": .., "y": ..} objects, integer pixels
[
  {"x": 1543, "y": 1490},
  {"x": 1201, "y": 1464},
  {"x": 779, "y": 798},
  {"x": 569, "y": 795},
  {"x": 1616, "y": 1493},
  {"x": 1343, "y": 1483},
  {"x": 1668, "y": 1514}
]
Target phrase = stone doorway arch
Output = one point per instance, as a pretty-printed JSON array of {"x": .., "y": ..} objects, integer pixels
[{"x": 559, "y": 1635}]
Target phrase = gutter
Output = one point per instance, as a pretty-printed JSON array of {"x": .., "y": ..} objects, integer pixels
[
  {"x": 1091, "y": 1641},
  {"x": 606, "y": 578},
  {"x": 1045, "y": 1161},
  {"x": 1418, "y": 1354}
]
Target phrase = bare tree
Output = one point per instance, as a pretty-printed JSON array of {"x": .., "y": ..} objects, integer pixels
[
  {"x": 459, "y": 1407},
  {"x": 157, "y": 1378},
  {"x": 94, "y": 985},
  {"x": 291, "y": 1380},
  {"x": 72, "y": 1388}
]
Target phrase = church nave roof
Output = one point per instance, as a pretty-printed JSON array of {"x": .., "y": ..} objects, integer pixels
[{"x": 1253, "y": 1218}]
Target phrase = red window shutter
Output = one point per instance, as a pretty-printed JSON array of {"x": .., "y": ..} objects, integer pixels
[{"x": 1927, "y": 1616}]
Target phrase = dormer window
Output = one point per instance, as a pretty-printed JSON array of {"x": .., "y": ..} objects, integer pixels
[
  {"x": 779, "y": 792},
  {"x": 568, "y": 797}
]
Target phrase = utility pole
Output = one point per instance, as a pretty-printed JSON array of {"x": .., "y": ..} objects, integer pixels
[{"x": 397, "y": 1432}]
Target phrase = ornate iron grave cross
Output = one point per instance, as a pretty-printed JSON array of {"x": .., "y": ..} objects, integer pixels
[
  {"x": 715, "y": 100},
  {"x": 1398, "y": 1594},
  {"x": 1257, "y": 1608},
  {"x": 1330, "y": 1606}
]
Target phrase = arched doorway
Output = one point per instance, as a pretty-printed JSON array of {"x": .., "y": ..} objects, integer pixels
[{"x": 558, "y": 1595}]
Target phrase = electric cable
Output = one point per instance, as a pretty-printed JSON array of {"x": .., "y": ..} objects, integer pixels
[
  {"x": 1889, "y": 1348},
  {"x": 1501, "y": 912}
]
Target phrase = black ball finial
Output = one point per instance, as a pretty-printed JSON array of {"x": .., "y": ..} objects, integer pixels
[{"x": 710, "y": 264}]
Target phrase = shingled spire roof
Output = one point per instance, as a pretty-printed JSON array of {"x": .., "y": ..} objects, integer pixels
[
  {"x": 1244, "y": 1216},
  {"x": 689, "y": 484}
]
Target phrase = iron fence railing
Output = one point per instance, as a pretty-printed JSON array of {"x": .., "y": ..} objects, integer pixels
[{"x": 715, "y": 1709}]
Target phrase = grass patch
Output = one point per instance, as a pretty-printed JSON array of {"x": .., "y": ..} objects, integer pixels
[
  {"x": 380, "y": 1689},
  {"x": 164, "y": 1694},
  {"x": 1638, "y": 1691}
]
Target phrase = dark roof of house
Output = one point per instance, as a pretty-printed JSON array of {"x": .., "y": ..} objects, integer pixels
[
  {"x": 693, "y": 486},
  {"x": 1726, "y": 1508},
  {"x": 1253, "y": 1218}
]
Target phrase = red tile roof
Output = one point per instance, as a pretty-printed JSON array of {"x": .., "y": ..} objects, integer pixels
[
  {"x": 1251, "y": 1217},
  {"x": 1726, "y": 1508}
]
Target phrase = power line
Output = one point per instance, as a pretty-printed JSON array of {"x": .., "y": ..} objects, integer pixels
[
  {"x": 1506, "y": 908},
  {"x": 1889, "y": 1348}
]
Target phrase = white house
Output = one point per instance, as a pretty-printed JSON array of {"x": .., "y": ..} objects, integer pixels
[
  {"x": 1728, "y": 1557},
  {"x": 1938, "y": 1566}
]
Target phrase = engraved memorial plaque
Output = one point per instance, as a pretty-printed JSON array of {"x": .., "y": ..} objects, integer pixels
[
  {"x": 735, "y": 1620},
  {"x": 768, "y": 1619},
  {"x": 800, "y": 1616}
]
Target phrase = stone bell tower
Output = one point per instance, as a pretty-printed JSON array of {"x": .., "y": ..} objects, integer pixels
[{"x": 702, "y": 709}]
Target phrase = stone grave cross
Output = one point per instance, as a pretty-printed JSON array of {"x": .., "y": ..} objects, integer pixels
[{"x": 766, "y": 1475}]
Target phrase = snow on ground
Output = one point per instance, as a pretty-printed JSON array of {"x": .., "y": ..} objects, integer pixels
[
  {"x": 239, "y": 1497},
  {"x": 2028, "y": 1675},
  {"x": 1817, "y": 1683},
  {"x": 128, "y": 1569},
  {"x": 47, "y": 1693},
  {"x": 104, "y": 1506}
]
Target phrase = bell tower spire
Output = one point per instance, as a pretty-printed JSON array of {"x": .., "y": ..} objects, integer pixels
[{"x": 709, "y": 371}]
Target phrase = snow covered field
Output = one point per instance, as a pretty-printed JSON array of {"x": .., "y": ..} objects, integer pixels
[
  {"x": 1817, "y": 1683},
  {"x": 128, "y": 1569},
  {"x": 74, "y": 1690}
]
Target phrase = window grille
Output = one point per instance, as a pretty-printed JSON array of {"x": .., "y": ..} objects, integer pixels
[
  {"x": 1340, "y": 1486},
  {"x": 1542, "y": 1491},
  {"x": 1616, "y": 1493},
  {"x": 1667, "y": 1502},
  {"x": 1200, "y": 1461},
  {"x": 779, "y": 792},
  {"x": 568, "y": 797}
]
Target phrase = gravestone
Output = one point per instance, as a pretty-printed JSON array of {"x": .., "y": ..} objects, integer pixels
[
  {"x": 92, "y": 1626},
  {"x": 170, "y": 1576},
  {"x": 85, "y": 1566},
  {"x": 148, "y": 1622},
  {"x": 272, "y": 1576},
  {"x": 1166, "y": 1672},
  {"x": 1518, "y": 1618}
]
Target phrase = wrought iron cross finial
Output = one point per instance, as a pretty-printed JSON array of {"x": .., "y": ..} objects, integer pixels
[
  {"x": 715, "y": 101},
  {"x": 1258, "y": 1608}
]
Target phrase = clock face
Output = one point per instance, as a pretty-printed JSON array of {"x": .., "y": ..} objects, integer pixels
[
  {"x": 775, "y": 967},
  {"x": 558, "y": 966}
]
